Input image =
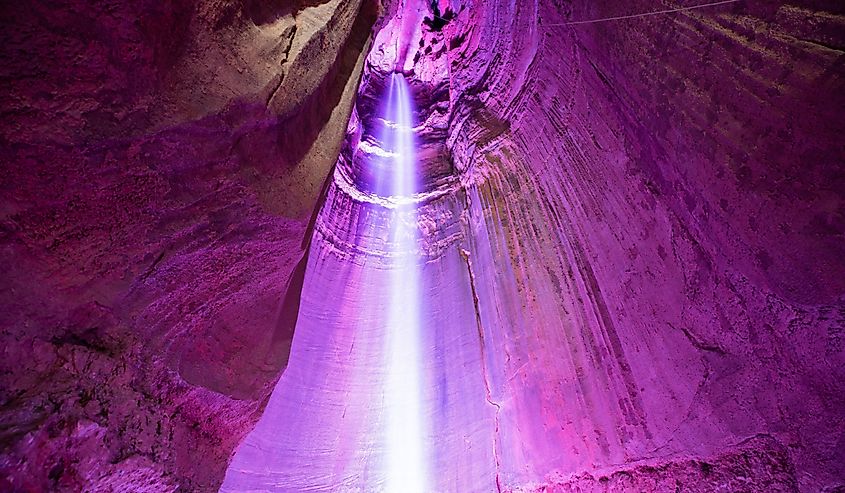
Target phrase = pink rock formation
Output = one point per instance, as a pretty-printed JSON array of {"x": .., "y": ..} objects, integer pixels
[
  {"x": 685, "y": 173},
  {"x": 629, "y": 242},
  {"x": 620, "y": 323},
  {"x": 161, "y": 161}
]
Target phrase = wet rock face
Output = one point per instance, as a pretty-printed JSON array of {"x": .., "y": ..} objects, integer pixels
[
  {"x": 631, "y": 232},
  {"x": 161, "y": 161},
  {"x": 603, "y": 310},
  {"x": 364, "y": 157},
  {"x": 668, "y": 191}
]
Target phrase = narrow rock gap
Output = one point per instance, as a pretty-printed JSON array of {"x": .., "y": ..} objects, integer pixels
[{"x": 465, "y": 255}]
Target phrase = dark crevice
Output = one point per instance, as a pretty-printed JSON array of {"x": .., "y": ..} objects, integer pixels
[
  {"x": 86, "y": 340},
  {"x": 152, "y": 266},
  {"x": 699, "y": 344},
  {"x": 286, "y": 55},
  {"x": 484, "y": 372},
  {"x": 822, "y": 44}
]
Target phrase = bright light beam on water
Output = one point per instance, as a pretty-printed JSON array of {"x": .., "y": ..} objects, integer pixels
[{"x": 406, "y": 430}]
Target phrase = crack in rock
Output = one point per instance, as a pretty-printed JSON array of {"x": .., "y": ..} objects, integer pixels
[{"x": 465, "y": 255}]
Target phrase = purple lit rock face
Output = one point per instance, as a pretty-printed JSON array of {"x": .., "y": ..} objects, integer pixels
[
  {"x": 522, "y": 254},
  {"x": 582, "y": 327},
  {"x": 160, "y": 164}
]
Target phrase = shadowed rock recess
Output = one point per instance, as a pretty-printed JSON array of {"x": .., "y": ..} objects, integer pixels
[{"x": 627, "y": 233}]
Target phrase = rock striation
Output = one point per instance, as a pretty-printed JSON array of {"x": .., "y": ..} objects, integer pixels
[
  {"x": 667, "y": 193},
  {"x": 629, "y": 234},
  {"x": 616, "y": 198},
  {"x": 160, "y": 164}
]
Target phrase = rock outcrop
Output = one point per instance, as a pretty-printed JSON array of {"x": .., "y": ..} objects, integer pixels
[
  {"x": 669, "y": 191},
  {"x": 161, "y": 161},
  {"x": 630, "y": 243},
  {"x": 619, "y": 213}
]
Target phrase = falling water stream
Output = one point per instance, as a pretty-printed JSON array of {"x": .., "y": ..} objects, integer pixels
[
  {"x": 406, "y": 435},
  {"x": 384, "y": 388}
]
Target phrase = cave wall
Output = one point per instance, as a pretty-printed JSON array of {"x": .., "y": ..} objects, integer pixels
[
  {"x": 669, "y": 190},
  {"x": 160, "y": 164},
  {"x": 640, "y": 221},
  {"x": 644, "y": 215}
]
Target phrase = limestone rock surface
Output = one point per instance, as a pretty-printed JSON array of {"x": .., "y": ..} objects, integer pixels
[
  {"x": 643, "y": 215},
  {"x": 669, "y": 191},
  {"x": 160, "y": 162},
  {"x": 630, "y": 236}
]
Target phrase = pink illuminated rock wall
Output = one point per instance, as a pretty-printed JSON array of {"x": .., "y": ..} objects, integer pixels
[
  {"x": 669, "y": 191},
  {"x": 652, "y": 238},
  {"x": 631, "y": 245},
  {"x": 160, "y": 163}
]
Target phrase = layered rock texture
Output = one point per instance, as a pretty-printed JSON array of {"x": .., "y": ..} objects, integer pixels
[
  {"x": 617, "y": 293},
  {"x": 629, "y": 247},
  {"x": 685, "y": 173},
  {"x": 161, "y": 161}
]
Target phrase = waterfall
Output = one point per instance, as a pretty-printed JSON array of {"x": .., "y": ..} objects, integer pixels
[{"x": 406, "y": 435}]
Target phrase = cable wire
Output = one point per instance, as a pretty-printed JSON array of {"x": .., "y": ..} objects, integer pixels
[{"x": 644, "y": 14}]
